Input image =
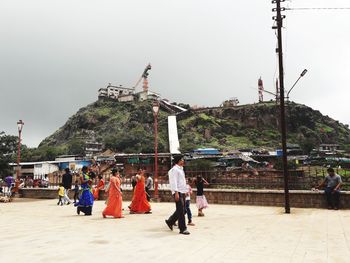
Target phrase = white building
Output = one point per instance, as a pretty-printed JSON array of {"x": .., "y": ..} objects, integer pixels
[
  {"x": 40, "y": 169},
  {"x": 329, "y": 147},
  {"x": 147, "y": 95},
  {"x": 232, "y": 102},
  {"x": 36, "y": 169},
  {"x": 114, "y": 92},
  {"x": 126, "y": 98},
  {"x": 126, "y": 94},
  {"x": 92, "y": 148},
  {"x": 68, "y": 158}
]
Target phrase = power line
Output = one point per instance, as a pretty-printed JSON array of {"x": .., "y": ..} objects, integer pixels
[{"x": 317, "y": 8}]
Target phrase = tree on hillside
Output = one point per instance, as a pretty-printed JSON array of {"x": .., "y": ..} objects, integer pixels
[
  {"x": 76, "y": 146},
  {"x": 8, "y": 147},
  {"x": 42, "y": 153},
  {"x": 307, "y": 145},
  {"x": 27, "y": 153}
]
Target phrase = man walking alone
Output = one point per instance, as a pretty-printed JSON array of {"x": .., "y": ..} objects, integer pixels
[{"x": 178, "y": 188}]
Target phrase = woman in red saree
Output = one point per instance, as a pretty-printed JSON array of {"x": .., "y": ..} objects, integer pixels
[
  {"x": 139, "y": 203},
  {"x": 114, "y": 203},
  {"x": 100, "y": 186}
]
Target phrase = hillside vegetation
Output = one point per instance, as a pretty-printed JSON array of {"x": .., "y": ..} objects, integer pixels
[{"x": 129, "y": 127}]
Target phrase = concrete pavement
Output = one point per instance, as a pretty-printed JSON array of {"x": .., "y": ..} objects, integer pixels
[{"x": 41, "y": 231}]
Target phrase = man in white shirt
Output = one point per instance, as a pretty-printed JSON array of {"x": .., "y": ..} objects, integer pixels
[
  {"x": 148, "y": 186},
  {"x": 178, "y": 188}
]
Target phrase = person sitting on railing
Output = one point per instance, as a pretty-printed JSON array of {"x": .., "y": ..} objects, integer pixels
[
  {"x": 36, "y": 183},
  {"x": 21, "y": 183},
  {"x": 332, "y": 183},
  {"x": 246, "y": 166},
  {"x": 45, "y": 181},
  {"x": 29, "y": 182}
]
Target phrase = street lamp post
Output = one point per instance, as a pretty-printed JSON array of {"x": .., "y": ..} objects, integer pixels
[
  {"x": 155, "y": 109},
  {"x": 301, "y": 75},
  {"x": 20, "y": 124}
]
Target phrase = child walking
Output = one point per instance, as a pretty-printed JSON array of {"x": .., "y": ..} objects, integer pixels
[
  {"x": 60, "y": 194},
  {"x": 188, "y": 202},
  {"x": 201, "y": 201}
]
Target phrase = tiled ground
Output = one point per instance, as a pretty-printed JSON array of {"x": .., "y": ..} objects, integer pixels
[{"x": 40, "y": 231}]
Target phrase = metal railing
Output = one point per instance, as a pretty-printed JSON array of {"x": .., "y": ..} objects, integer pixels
[{"x": 303, "y": 178}]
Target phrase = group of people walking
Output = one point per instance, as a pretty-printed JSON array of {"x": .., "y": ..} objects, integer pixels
[
  {"x": 179, "y": 186},
  {"x": 140, "y": 201}
]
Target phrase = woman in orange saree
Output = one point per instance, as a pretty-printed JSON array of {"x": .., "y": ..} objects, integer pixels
[
  {"x": 100, "y": 186},
  {"x": 139, "y": 203},
  {"x": 114, "y": 203}
]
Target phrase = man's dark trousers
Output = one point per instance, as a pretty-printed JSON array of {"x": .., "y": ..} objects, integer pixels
[
  {"x": 179, "y": 214},
  {"x": 148, "y": 194},
  {"x": 332, "y": 197}
]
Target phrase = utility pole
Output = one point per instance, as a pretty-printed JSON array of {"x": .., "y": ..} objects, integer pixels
[
  {"x": 279, "y": 19},
  {"x": 155, "y": 109}
]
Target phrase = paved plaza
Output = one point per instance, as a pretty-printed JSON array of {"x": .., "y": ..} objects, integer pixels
[{"x": 40, "y": 231}]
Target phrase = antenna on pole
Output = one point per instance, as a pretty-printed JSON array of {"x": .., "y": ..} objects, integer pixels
[
  {"x": 261, "y": 90},
  {"x": 277, "y": 91}
]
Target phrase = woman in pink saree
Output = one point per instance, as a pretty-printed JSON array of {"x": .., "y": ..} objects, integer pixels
[{"x": 114, "y": 203}]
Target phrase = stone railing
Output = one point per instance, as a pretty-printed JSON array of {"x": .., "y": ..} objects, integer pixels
[{"x": 298, "y": 198}]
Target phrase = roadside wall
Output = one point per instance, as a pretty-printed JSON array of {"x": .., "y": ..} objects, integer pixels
[{"x": 298, "y": 198}]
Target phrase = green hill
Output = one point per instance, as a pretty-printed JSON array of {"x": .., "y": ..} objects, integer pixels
[{"x": 128, "y": 127}]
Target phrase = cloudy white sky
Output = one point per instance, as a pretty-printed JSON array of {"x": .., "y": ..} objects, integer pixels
[{"x": 56, "y": 54}]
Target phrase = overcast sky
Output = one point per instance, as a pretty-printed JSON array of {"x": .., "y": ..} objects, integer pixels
[{"x": 55, "y": 55}]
